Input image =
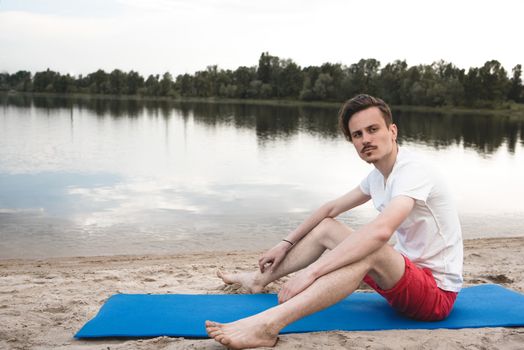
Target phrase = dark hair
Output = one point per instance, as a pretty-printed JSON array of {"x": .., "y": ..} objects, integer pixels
[{"x": 360, "y": 103}]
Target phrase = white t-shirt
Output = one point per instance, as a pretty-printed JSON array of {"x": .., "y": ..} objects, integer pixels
[{"x": 430, "y": 236}]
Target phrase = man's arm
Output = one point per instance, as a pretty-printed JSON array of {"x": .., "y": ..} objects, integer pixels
[
  {"x": 331, "y": 209},
  {"x": 357, "y": 246}
]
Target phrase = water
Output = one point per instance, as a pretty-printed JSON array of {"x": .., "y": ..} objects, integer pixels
[{"x": 100, "y": 176}]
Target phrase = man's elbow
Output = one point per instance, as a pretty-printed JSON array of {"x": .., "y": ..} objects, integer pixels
[
  {"x": 330, "y": 209},
  {"x": 383, "y": 234}
]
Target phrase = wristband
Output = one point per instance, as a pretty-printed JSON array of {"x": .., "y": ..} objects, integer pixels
[{"x": 285, "y": 240}]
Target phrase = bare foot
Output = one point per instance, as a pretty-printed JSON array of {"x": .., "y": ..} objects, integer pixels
[
  {"x": 248, "y": 280},
  {"x": 250, "y": 332}
]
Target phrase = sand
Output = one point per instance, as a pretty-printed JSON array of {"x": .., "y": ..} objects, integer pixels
[{"x": 44, "y": 302}]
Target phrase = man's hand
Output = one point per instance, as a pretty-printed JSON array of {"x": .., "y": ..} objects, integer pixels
[
  {"x": 273, "y": 257},
  {"x": 296, "y": 284}
]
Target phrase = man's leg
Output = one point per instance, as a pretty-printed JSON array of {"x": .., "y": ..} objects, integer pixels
[
  {"x": 386, "y": 266},
  {"x": 326, "y": 235}
]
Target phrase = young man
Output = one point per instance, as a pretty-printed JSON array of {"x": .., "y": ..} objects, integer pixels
[{"x": 420, "y": 276}]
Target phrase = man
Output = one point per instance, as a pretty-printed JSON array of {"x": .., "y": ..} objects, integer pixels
[{"x": 420, "y": 276}]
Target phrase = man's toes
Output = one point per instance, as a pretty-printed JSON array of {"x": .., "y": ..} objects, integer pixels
[
  {"x": 222, "y": 275},
  {"x": 211, "y": 328},
  {"x": 211, "y": 323},
  {"x": 219, "y": 338},
  {"x": 214, "y": 333},
  {"x": 223, "y": 339}
]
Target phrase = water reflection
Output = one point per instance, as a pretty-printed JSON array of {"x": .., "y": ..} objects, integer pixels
[
  {"x": 483, "y": 133},
  {"x": 94, "y": 176},
  {"x": 53, "y": 192}
]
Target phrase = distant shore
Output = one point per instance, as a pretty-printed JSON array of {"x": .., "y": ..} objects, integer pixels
[
  {"x": 508, "y": 110},
  {"x": 44, "y": 302}
]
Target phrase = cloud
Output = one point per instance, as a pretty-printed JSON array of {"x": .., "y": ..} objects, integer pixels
[
  {"x": 183, "y": 36},
  {"x": 64, "y": 8}
]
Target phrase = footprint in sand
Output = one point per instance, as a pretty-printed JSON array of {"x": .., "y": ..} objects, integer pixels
[
  {"x": 56, "y": 310},
  {"x": 183, "y": 274},
  {"x": 498, "y": 278}
]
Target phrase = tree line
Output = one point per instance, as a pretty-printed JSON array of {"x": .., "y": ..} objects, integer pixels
[{"x": 438, "y": 84}]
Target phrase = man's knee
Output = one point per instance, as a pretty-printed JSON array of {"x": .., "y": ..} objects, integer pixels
[
  {"x": 386, "y": 266},
  {"x": 330, "y": 232},
  {"x": 327, "y": 223},
  {"x": 384, "y": 256},
  {"x": 326, "y": 226}
]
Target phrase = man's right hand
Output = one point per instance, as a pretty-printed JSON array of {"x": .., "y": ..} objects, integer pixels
[{"x": 274, "y": 256}]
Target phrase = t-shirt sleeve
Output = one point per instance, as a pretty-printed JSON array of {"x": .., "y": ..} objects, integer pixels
[
  {"x": 412, "y": 180},
  {"x": 364, "y": 185}
]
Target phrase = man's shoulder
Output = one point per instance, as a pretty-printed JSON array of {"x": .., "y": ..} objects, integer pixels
[
  {"x": 414, "y": 170},
  {"x": 408, "y": 160},
  {"x": 406, "y": 155},
  {"x": 374, "y": 175}
]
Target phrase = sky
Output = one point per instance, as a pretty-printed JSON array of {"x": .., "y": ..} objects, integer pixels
[{"x": 184, "y": 36}]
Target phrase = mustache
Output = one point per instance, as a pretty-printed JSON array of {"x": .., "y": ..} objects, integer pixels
[{"x": 367, "y": 148}]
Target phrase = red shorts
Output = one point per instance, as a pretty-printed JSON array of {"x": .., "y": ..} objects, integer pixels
[{"x": 416, "y": 294}]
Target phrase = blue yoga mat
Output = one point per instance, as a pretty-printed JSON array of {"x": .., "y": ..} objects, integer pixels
[{"x": 183, "y": 315}]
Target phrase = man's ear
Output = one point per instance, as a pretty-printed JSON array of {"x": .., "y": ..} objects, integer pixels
[{"x": 394, "y": 131}]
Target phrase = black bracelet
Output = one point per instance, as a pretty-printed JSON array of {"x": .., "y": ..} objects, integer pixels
[{"x": 292, "y": 244}]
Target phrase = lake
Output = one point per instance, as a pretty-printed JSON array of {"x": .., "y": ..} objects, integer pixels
[{"x": 82, "y": 176}]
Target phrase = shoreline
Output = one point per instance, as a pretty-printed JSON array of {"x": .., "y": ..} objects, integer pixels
[
  {"x": 43, "y": 302},
  {"x": 216, "y": 251},
  {"x": 508, "y": 110}
]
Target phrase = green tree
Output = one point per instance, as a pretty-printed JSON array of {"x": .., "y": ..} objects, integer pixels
[
  {"x": 64, "y": 84},
  {"x": 437, "y": 84},
  {"x": 363, "y": 77},
  {"x": 516, "y": 92},
  {"x": 224, "y": 80},
  {"x": 255, "y": 87},
  {"x": 211, "y": 75},
  {"x": 82, "y": 84},
  {"x": 242, "y": 78},
  {"x": 288, "y": 79},
  {"x": 337, "y": 73},
  {"x": 311, "y": 74},
  {"x": 266, "y": 64},
  {"x": 135, "y": 82},
  {"x": 203, "y": 84},
  {"x": 494, "y": 82},
  {"x": 472, "y": 87},
  {"x": 413, "y": 89},
  {"x": 323, "y": 87},
  {"x": 44, "y": 81},
  {"x": 117, "y": 82},
  {"x": 20, "y": 81},
  {"x": 184, "y": 85},
  {"x": 152, "y": 85},
  {"x": 4, "y": 81},
  {"x": 228, "y": 90},
  {"x": 268, "y": 72},
  {"x": 451, "y": 79},
  {"x": 432, "y": 86},
  {"x": 98, "y": 82},
  {"x": 165, "y": 86},
  {"x": 391, "y": 77}
]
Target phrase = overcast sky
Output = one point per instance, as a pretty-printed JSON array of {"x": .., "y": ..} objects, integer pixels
[{"x": 183, "y": 36}]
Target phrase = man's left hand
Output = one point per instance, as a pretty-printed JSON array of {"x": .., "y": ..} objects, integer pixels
[{"x": 296, "y": 284}]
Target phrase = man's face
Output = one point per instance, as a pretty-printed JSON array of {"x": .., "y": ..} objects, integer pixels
[{"x": 372, "y": 139}]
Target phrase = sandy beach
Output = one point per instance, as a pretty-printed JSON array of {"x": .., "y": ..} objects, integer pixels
[{"x": 44, "y": 302}]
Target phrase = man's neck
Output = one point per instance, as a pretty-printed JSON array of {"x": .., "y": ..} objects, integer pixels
[{"x": 386, "y": 164}]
